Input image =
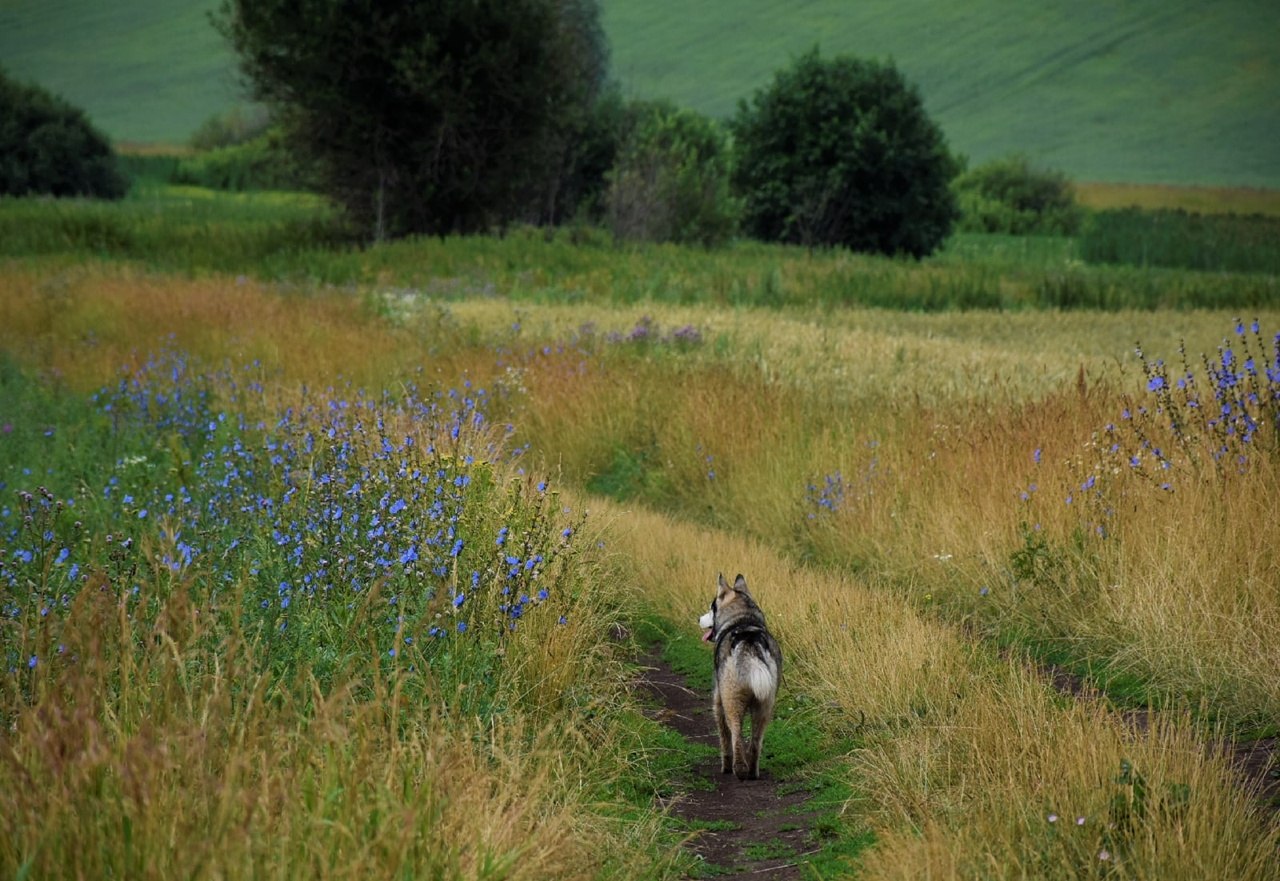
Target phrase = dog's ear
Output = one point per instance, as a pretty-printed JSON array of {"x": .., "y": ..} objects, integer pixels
[
  {"x": 723, "y": 585},
  {"x": 740, "y": 584}
]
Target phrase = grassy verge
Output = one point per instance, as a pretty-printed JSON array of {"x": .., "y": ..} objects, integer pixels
[
  {"x": 803, "y": 751},
  {"x": 1016, "y": 512}
]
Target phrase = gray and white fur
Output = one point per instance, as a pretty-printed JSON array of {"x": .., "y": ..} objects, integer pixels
[{"x": 748, "y": 670}]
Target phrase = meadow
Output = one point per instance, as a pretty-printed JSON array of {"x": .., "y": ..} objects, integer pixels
[{"x": 315, "y": 558}]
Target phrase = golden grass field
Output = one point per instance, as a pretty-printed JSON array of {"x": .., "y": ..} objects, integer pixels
[{"x": 891, "y": 601}]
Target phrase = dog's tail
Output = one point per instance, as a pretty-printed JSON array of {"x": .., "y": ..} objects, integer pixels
[{"x": 762, "y": 678}]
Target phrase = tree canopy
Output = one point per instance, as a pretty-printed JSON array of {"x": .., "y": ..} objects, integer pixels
[
  {"x": 841, "y": 152},
  {"x": 429, "y": 116}
]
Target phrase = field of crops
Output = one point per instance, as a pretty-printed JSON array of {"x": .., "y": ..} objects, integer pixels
[{"x": 327, "y": 561}]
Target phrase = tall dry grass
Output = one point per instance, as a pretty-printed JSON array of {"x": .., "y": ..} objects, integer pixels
[
  {"x": 969, "y": 766},
  {"x": 172, "y": 751},
  {"x": 1204, "y": 200},
  {"x": 952, "y": 476},
  {"x": 81, "y": 323}
]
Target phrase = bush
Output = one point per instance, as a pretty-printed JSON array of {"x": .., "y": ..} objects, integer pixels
[
  {"x": 1011, "y": 196},
  {"x": 264, "y": 163},
  {"x": 670, "y": 182},
  {"x": 841, "y": 152},
  {"x": 49, "y": 147},
  {"x": 236, "y": 126}
]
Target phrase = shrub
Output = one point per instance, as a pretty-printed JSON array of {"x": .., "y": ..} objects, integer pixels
[
  {"x": 47, "y": 146},
  {"x": 670, "y": 182},
  {"x": 1012, "y": 196},
  {"x": 235, "y": 126},
  {"x": 264, "y": 163},
  {"x": 841, "y": 152}
]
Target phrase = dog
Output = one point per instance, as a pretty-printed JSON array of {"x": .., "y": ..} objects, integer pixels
[{"x": 748, "y": 671}]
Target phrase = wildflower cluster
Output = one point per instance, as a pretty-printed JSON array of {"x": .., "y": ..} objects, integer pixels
[
  {"x": 291, "y": 514},
  {"x": 831, "y": 492},
  {"x": 1226, "y": 415},
  {"x": 1183, "y": 426},
  {"x": 646, "y": 330},
  {"x": 827, "y": 497}
]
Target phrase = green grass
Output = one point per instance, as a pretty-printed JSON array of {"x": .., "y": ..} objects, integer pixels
[
  {"x": 1139, "y": 92},
  {"x": 1219, "y": 243},
  {"x": 295, "y": 238},
  {"x": 145, "y": 72},
  {"x": 805, "y": 748}
]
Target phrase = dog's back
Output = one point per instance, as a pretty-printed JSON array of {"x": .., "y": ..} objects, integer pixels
[{"x": 749, "y": 663}]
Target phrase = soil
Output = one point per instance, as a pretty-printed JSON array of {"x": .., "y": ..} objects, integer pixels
[{"x": 761, "y": 830}]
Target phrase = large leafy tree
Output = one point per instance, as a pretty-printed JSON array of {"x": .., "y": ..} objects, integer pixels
[
  {"x": 841, "y": 152},
  {"x": 430, "y": 116},
  {"x": 49, "y": 147}
]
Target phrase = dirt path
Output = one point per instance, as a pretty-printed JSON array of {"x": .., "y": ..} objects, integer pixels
[{"x": 747, "y": 829}]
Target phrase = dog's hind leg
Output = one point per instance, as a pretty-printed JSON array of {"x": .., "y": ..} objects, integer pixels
[
  {"x": 735, "y": 716},
  {"x": 726, "y": 742},
  {"x": 761, "y": 716}
]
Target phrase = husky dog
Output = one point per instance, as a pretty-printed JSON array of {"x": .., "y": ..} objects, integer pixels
[{"x": 748, "y": 668}]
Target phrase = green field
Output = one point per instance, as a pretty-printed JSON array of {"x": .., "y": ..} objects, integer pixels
[{"x": 1145, "y": 92}]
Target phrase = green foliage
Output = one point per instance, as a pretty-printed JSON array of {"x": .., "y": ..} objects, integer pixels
[
  {"x": 1011, "y": 196},
  {"x": 670, "y": 182},
  {"x": 428, "y": 117},
  {"x": 263, "y": 163},
  {"x": 1214, "y": 242},
  {"x": 841, "y": 152},
  {"x": 235, "y": 126},
  {"x": 49, "y": 147},
  {"x": 294, "y": 237}
]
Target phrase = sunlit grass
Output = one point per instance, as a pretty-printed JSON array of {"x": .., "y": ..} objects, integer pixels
[{"x": 969, "y": 766}]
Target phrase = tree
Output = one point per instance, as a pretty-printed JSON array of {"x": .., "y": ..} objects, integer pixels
[
  {"x": 49, "y": 147},
  {"x": 841, "y": 152},
  {"x": 670, "y": 180},
  {"x": 427, "y": 116}
]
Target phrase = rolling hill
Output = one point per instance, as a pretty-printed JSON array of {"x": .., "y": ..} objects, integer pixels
[{"x": 1178, "y": 92}]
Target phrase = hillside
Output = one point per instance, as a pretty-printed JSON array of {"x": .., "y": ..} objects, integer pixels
[{"x": 1147, "y": 92}]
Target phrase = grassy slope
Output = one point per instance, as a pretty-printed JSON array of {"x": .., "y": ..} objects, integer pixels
[
  {"x": 1173, "y": 92},
  {"x": 146, "y": 71}
]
